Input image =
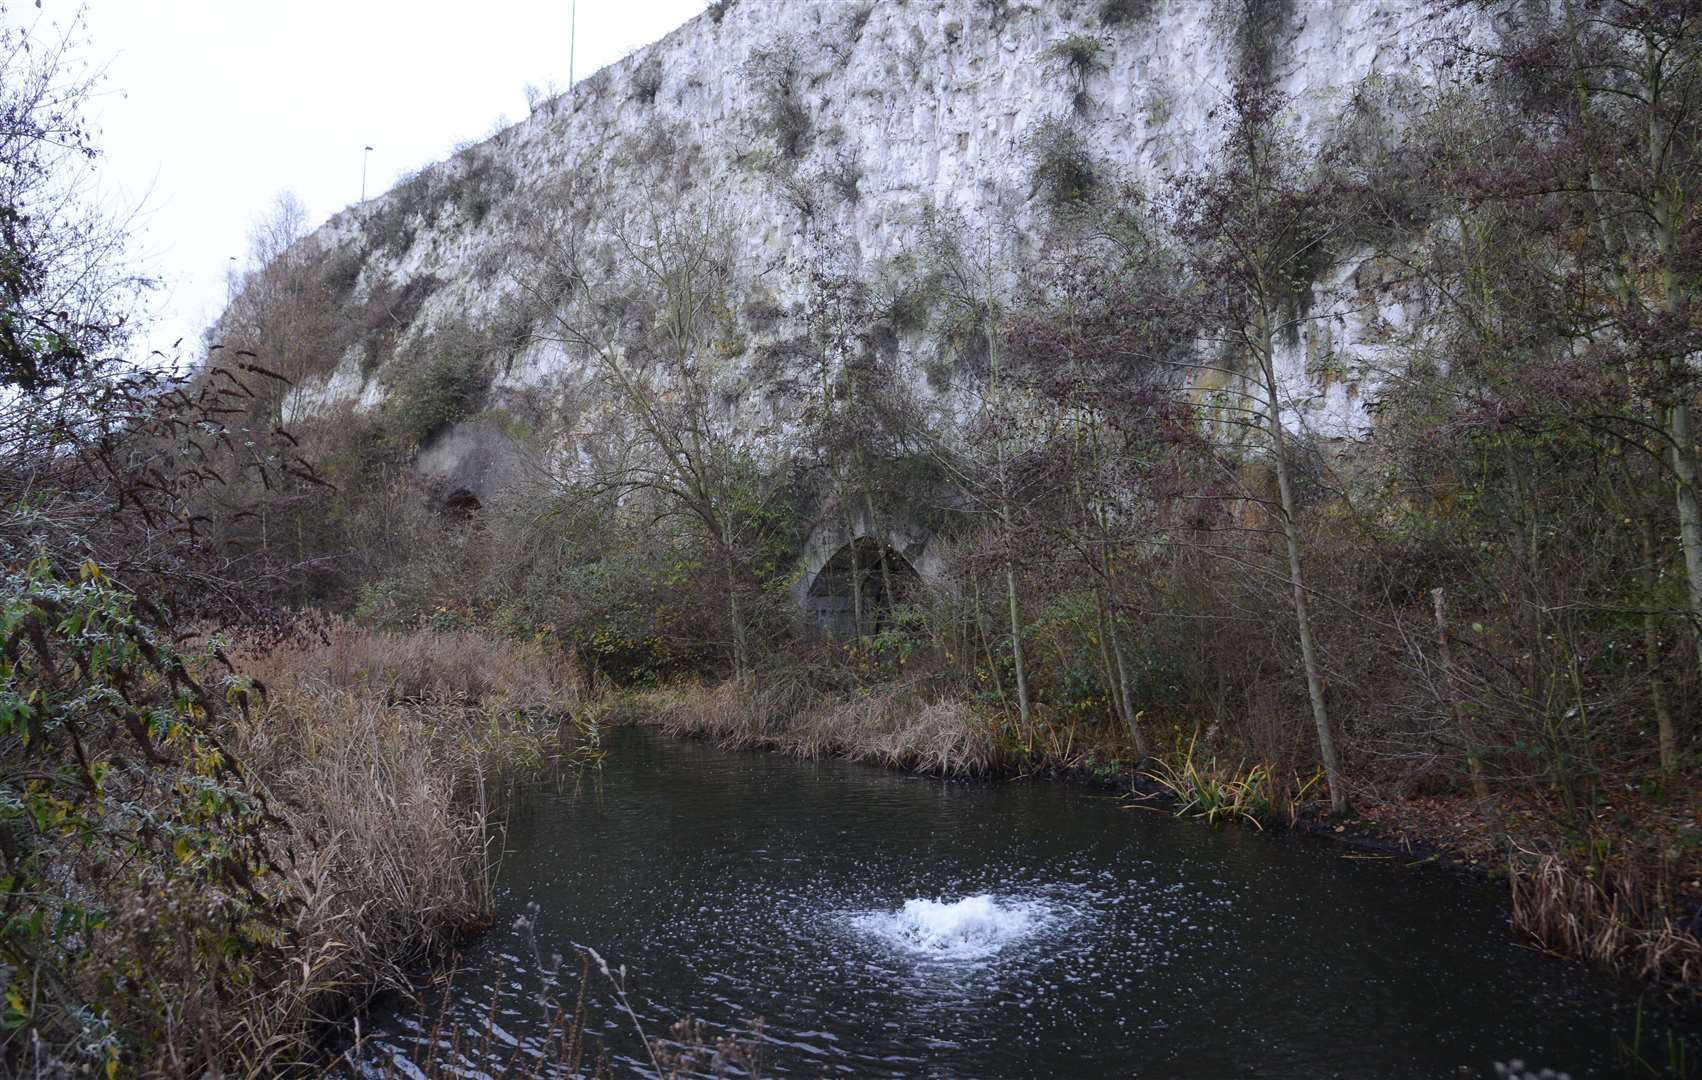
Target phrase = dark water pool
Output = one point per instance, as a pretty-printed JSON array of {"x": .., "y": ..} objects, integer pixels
[{"x": 881, "y": 924}]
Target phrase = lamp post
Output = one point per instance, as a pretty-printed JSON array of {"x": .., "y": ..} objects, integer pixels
[
  {"x": 366, "y": 154},
  {"x": 572, "y": 40}
]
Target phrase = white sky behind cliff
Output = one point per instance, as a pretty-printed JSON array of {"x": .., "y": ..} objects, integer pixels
[{"x": 211, "y": 107}]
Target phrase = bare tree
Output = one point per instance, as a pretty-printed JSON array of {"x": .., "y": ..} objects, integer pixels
[
  {"x": 1258, "y": 228},
  {"x": 648, "y": 310}
]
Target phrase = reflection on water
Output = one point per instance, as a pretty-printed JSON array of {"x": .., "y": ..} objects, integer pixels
[{"x": 880, "y": 924}]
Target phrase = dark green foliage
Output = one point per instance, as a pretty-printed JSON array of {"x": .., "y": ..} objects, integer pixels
[
  {"x": 342, "y": 273},
  {"x": 1081, "y": 57},
  {"x": 443, "y": 383},
  {"x": 393, "y": 227},
  {"x": 647, "y": 80},
  {"x": 1082, "y": 54},
  {"x": 388, "y": 313},
  {"x": 113, "y": 781},
  {"x": 1060, "y": 164},
  {"x": 473, "y": 183},
  {"x": 1257, "y": 28},
  {"x": 858, "y": 19}
]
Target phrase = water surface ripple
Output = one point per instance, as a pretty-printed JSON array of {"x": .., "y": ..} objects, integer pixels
[{"x": 882, "y": 924}]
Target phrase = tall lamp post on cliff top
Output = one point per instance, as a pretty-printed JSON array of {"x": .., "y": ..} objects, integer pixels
[
  {"x": 572, "y": 40},
  {"x": 365, "y": 154}
]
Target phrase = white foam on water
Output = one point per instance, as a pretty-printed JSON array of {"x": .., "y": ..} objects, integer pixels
[{"x": 972, "y": 928}]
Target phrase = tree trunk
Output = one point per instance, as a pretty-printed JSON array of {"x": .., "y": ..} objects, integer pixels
[
  {"x": 1291, "y": 534},
  {"x": 1016, "y": 646},
  {"x": 1652, "y": 652},
  {"x": 735, "y": 617},
  {"x": 1451, "y": 691},
  {"x": 1124, "y": 694}
]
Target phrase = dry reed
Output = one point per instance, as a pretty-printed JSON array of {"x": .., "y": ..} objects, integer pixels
[
  {"x": 899, "y": 725},
  {"x": 380, "y": 752},
  {"x": 1611, "y": 916}
]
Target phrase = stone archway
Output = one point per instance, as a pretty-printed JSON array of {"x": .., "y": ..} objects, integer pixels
[
  {"x": 855, "y": 591},
  {"x": 840, "y": 551}
]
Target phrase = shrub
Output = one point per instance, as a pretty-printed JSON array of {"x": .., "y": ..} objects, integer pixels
[
  {"x": 342, "y": 273},
  {"x": 773, "y": 73},
  {"x": 388, "y": 312},
  {"x": 1080, "y": 55},
  {"x": 1061, "y": 166},
  {"x": 1118, "y": 12},
  {"x": 131, "y": 839},
  {"x": 857, "y": 20},
  {"x": 401, "y": 212},
  {"x": 647, "y": 80},
  {"x": 444, "y": 385},
  {"x": 844, "y": 176}
]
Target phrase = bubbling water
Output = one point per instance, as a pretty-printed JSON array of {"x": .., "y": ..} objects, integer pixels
[{"x": 973, "y": 928}]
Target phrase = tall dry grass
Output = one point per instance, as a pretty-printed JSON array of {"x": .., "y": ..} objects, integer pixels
[
  {"x": 901, "y": 725},
  {"x": 382, "y": 754},
  {"x": 452, "y": 666},
  {"x": 1613, "y": 916}
]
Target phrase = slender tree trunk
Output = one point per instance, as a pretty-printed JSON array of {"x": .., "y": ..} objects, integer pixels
[
  {"x": 735, "y": 616},
  {"x": 1652, "y": 651},
  {"x": 1462, "y": 724},
  {"x": 856, "y": 585},
  {"x": 1124, "y": 693},
  {"x": 1017, "y": 660},
  {"x": 1107, "y": 671},
  {"x": 987, "y": 647},
  {"x": 1679, "y": 432},
  {"x": 1291, "y": 534}
]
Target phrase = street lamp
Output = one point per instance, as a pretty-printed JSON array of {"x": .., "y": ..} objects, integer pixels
[
  {"x": 363, "y": 159},
  {"x": 572, "y": 41}
]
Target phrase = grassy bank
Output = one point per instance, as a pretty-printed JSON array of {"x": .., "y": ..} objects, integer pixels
[{"x": 899, "y": 725}]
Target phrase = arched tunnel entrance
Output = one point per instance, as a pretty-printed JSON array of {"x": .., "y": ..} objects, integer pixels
[{"x": 855, "y": 592}]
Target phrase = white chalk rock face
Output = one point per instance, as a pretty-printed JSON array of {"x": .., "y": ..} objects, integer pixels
[{"x": 894, "y": 110}]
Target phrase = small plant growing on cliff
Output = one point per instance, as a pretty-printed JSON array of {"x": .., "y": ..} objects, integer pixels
[
  {"x": 647, "y": 81},
  {"x": 1062, "y": 168},
  {"x": 844, "y": 176},
  {"x": 773, "y": 73},
  {"x": 1081, "y": 57},
  {"x": 858, "y": 19}
]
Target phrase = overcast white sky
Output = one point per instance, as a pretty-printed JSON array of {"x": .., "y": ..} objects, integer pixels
[{"x": 213, "y": 106}]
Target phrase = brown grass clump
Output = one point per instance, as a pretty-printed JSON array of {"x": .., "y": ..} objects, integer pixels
[
  {"x": 899, "y": 725},
  {"x": 1612, "y": 916},
  {"x": 457, "y": 666}
]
